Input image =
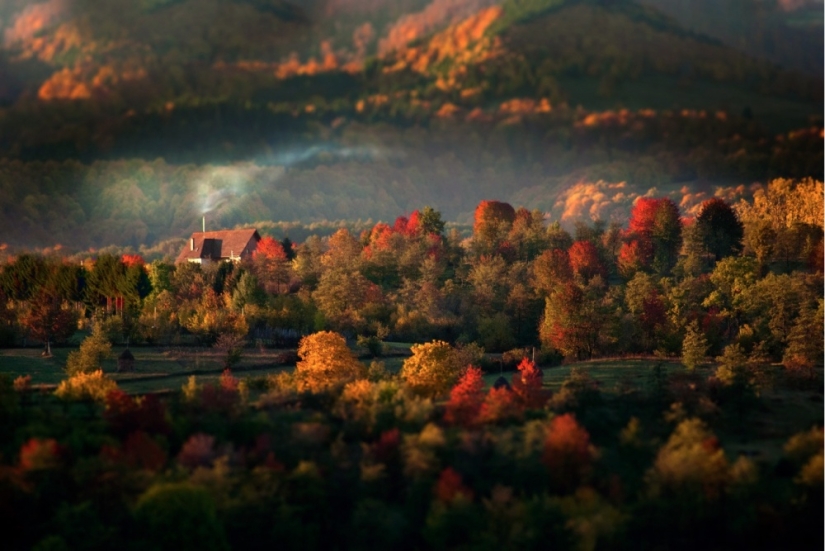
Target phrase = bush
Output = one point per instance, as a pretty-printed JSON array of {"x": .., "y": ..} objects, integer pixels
[
  {"x": 178, "y": 517},
  {"x": 436, "y": 366},
  {"x": 86, "y": 386}
]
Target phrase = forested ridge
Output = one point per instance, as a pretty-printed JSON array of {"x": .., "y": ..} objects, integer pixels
[
  {"x": 600, "y": 289},
  {"x": 533, "y": 274},
  {"x": 697, "y": 449},
  {"x": 125, "y": 121}
]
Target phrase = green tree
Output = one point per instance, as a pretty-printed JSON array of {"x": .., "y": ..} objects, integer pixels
[
  {"x": 430, "y": 222},
  {"x": 694, "y": 347},
  {"x": 22, "y": 278},
  {"x": 177, "y": 516},
  {"x": 93, "y": 350},
  {"x": 49, "y": 320},
  {"x": 247, "y": 292},
  {"x": 805, "y": 343},
  {"x": 732, "y": 365},
  {"x": 719, "y": 229}
]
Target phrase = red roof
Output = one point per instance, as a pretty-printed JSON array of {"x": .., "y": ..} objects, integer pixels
[{"x": 220, "y": 245}]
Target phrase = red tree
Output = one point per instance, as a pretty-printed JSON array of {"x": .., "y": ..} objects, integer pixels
[
  {"x": 493, "y": 220},
  {"x": 527, "y": 384},
  {"x": 634, "y": 256},
  {"x": 585, "y": 261},
  {"x": 654, "y": 237},
  {"x": 466, "y": 398},
  {"x": 270, "y": 264},
  {"x": 501, "y": 404},
  {"x": 269, "y": 247},
  {"x": 132, "y": 260},
  {"x": 450, "y": 486},
  {"x": 126, "y": 414},
  {"x": 567, "y": 452}
]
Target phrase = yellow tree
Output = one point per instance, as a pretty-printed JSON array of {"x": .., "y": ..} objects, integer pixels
[
  {"x": 435, "y": 367},
  {"x": 326, "y": 361}
]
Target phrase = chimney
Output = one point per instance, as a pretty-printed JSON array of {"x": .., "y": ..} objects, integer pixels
[
  {"x": 192, "y": 244},
  {"x": 204, "y": 224}
]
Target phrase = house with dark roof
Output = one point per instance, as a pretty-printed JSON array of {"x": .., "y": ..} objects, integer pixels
[{"x": 217, "y": 246}]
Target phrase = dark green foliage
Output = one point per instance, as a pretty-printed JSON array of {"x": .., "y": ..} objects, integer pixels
[
  {"x": 179, "y": 516},
  {"x": 719, "y": 229},
  {"x": 519, "y": 11}
]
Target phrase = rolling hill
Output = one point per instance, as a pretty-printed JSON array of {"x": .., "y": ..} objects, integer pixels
[{"x": 337, "y": 109}]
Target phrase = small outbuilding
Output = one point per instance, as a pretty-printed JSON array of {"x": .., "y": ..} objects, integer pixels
[
  {"x": 501, "y": 382},
  {"x": 125, "y": 362}
]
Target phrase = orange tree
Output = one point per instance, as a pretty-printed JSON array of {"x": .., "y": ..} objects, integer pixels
[{"x": 326, "y": 361}]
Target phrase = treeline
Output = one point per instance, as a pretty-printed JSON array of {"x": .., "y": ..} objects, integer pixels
[
  {"x": 349, "y": 176},
  {"x": 745, "y": 281},
  {"x": 337, "y": 453},
  {"x": 193, "y": 100}
]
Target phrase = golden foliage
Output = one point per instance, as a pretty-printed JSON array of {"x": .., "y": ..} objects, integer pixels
[
  {"x": 462, "y": 44},
  {"x": 326, "y": 361},
  {"x": 86, "y": 386},
  {"x": 785, "y": 203},
  {"x": 435, "y": 367},
  {"x": 693, "y": 461}
]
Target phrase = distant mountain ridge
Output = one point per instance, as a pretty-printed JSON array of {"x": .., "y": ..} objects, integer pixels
[{"x": 118, "y": 118}]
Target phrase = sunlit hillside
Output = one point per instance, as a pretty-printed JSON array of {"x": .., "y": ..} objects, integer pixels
[{"x": 113, "y": 112}]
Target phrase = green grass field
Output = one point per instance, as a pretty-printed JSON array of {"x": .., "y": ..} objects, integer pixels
[
  {"x": 761, "y": 435},
  {"x": 610, "y": 374},
  {"x": 167, "y": 368},
  {"x": 156, "y": 369}
]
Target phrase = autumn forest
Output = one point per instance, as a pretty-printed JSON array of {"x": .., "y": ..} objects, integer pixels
[{"x": 523, "y": 274}]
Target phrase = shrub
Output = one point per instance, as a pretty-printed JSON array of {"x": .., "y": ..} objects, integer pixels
[
  {"x": 436, "y": 366},
  {"x": 178, "y": 516},
  {"x": 86, "y": 386}
]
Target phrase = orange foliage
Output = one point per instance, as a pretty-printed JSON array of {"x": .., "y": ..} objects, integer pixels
[
  {"x": 132, "y": 260},
  {"x": 269, "y": 248},
  {"x": 463, "y": 43},
  {"x": 500, "y": 405},
  {"x": 64, "y": 84},
  {"x": 585, "y": 261},
  {"x": 527, "y": 384},
  {"x": 525, "y": 106},
  {"x": 420, "y": 24},
  {"x": 491, "y": 213},
  {"x": 567, "y": 451}
]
